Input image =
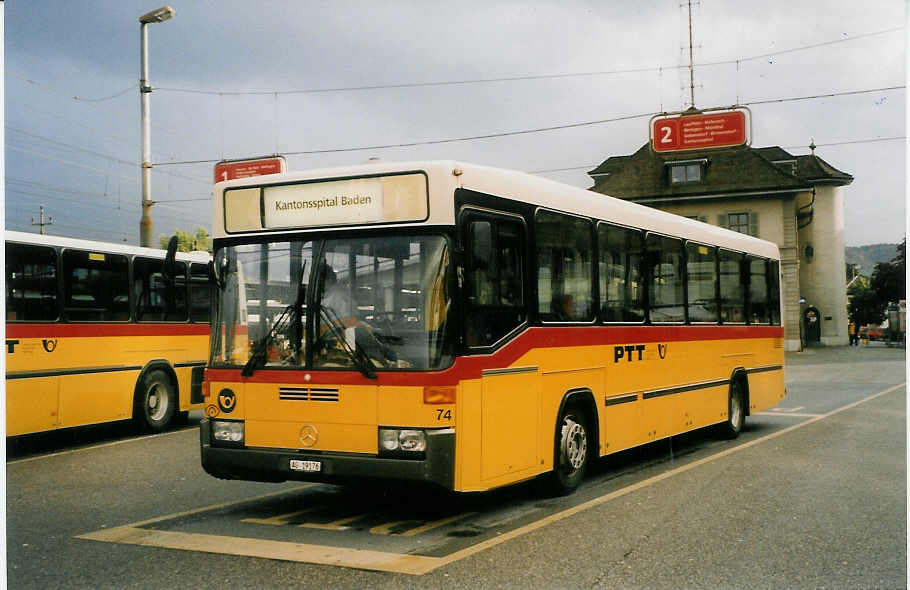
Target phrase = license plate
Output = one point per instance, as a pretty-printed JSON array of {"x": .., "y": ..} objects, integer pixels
[{"x": 309, "y": 466}]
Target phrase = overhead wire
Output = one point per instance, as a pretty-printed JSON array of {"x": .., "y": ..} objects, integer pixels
[
  {"x": 97, "y": 154},
  {"x": 446, "y": 140},
  {"x": 535, "y": 130},
  {"x": 521, "y": 78}
]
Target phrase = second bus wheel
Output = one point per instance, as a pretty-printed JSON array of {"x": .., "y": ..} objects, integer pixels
[
  {"x": 571, "y": 452},
  {"x": 156, "y": 401},
  {"x": 736, "y": 414}
]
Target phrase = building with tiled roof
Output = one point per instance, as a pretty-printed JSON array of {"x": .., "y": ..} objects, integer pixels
[{"x": 794, "y": 201}]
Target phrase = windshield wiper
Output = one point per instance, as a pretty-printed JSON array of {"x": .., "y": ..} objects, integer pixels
[
  {"x": 261, "y": 347},
  {"x": 289, "y": 314},
  {"x": 361, "y": 361}
]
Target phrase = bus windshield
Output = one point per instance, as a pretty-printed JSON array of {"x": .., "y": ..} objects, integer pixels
[{"x": 356, "y": 304}]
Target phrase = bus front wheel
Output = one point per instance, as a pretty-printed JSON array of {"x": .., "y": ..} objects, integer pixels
[
  {"x": 571, "y": 453},
  {"x": 156, "y": 401},
  {"x": 736, "y": 413}
]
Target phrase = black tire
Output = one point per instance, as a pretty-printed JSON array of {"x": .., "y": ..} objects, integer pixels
[
  {"x": 736, "y": 411},
  {"x": 571, "y": 452},
  {"x": 156, "y": 401}
]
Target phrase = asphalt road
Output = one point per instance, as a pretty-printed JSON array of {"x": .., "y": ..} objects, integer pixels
[{"x": 812, "y": 495}]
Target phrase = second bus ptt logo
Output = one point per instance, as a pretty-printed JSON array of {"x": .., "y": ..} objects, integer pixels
[{"x": 637, "y": 352}]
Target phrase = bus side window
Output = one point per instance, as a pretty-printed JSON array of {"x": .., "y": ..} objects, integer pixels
[
  {"x": 495, "y": 281},
  {"x": 732, "y": 291},
  {"x": 565, "y": 257},
  {"x": 759, "y": 312},
  {"x": 701, "y": 270},
  {"x": 96, "y": 286},
  {"x": 774, "y": 291},
  {"x": 200, "y": 293},
  {"x": 156, "y": 300},
  {"x": 483, "y": 264},
  {"x": 665, "y": 286},
  {"x": 31, "y": 283},
  {"x": 621, "y": 288}
]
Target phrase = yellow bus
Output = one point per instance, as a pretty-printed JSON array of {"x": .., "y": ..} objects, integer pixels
[
  {"x": 99, "y": 332},
  {"x": 472, "y": 327}
]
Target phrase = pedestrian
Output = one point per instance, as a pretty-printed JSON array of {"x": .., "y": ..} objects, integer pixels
[{"x": 853, "y": 333}]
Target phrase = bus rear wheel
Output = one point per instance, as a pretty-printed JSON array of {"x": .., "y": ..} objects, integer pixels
[
  {"x": 156, "y": 401},
  {"x": 736, "y": 414},
  {"x": 571, "y": 453}
]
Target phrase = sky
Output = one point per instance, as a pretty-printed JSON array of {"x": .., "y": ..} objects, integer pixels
[{"x": 561, "y": 86}]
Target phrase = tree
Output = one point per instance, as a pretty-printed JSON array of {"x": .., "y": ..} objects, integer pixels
[
  {"x": 187, "y": 242},
  {"x": 889, "y": 279},
  {"x": 865, "y": 307}
]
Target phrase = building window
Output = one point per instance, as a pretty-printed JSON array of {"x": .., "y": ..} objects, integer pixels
[
  {"x": 683, "y": 173},
  {"x": 701, "y": 218},
  {"x": 788, "y": 166},
  {"x": 742, "y": 222},
  {"x": 738, "y": 222}
]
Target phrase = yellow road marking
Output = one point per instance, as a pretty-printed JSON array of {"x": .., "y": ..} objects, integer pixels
[
  {"x": 386, "y": 529},
  {"x": 787, "y": 414},
  {"x": 335, "y": 525},
  {"x": 283, "y": 550},
  {"x": 435, "y": 524},
  {"x": 394, "y": 562},
  {"x": 281, "y": 519}
]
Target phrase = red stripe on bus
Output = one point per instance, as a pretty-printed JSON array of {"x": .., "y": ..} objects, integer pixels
[
  {"x": 470, "y": 367},
  {"x": 103, "y": 330}
]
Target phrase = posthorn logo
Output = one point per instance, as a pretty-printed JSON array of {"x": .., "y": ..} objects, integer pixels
[{"x": 227, "y": 401}]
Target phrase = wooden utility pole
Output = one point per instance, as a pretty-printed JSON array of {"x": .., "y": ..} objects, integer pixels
[{"x": 41, "y": 222}]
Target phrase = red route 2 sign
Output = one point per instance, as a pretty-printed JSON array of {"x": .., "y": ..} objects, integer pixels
[
  {"x": 229, "y": 170},
  {"x": 690, "y": 132}
]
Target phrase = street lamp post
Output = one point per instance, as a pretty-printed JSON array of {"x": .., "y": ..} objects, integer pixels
[{"x": 145, "y": 89}]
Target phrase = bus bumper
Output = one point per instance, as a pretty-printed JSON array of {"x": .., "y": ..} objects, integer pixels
[{"x": 273, "y": 465}]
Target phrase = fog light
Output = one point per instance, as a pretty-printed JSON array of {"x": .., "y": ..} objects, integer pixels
[
  {"x": 227, "y": 431},
  {"x": 412, "y": 440},
  {"x": 388, "y": 439}
]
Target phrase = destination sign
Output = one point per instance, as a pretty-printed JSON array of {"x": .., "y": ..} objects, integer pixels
[
  {"x": 394, "y": 198},
  {"x": 355, "y": 201},
  {"x": 689, "y": 132}
]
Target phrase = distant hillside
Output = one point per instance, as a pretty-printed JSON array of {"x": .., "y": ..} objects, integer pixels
[{"x": 868, "y": 256}]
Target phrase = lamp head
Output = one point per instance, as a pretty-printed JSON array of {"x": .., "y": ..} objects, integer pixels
[{"x": 159, "y": 15}]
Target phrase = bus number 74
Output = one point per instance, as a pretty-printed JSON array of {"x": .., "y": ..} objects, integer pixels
[{"x": 442, "y": 414}]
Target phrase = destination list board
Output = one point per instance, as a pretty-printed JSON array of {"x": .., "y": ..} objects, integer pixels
[
  {"x": 699, "y": 131},
  {"x": 353, "y": 201}
]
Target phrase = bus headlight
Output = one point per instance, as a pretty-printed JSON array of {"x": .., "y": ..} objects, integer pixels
[
  {"x": 412, "y": 441},
  {"x": 229, "y": 432},
  {"x": 388, "y": 439},
  {"x": 402, "y": 442}
]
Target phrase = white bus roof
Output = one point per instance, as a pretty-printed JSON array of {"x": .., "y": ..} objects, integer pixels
[
  {"x": 111, "y": 247},
  {"x": 444, "y": 176}
]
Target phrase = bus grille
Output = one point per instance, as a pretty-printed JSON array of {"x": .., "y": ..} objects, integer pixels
[{"x": 305, "y": 394}]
